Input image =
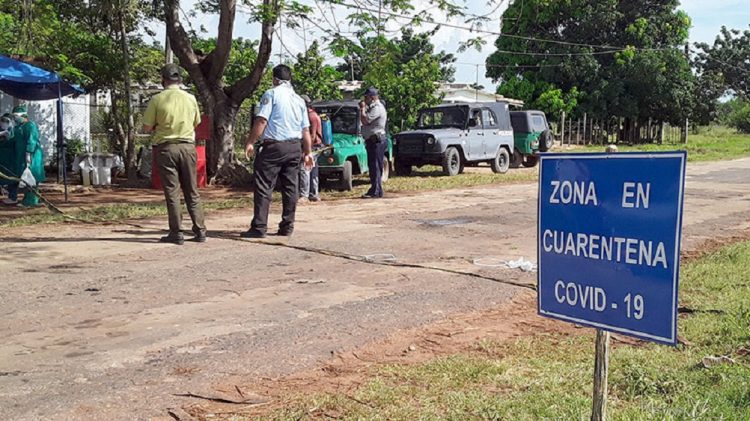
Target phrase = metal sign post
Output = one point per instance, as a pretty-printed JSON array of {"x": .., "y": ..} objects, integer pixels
[{"x": 609, "y": 246}]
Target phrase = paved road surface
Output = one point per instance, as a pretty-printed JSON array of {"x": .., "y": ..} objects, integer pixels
[{"x": 105, "y": 323}]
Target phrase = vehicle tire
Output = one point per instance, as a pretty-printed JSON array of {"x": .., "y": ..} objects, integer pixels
[
  {"x": 501, "y": 163},
  {"x": 386, "y": 169},
  {"x": 345, "y": 184},
  {"x": 546, "y": 141},
  {"x": 451, "y": 161},
  {"x": 517, "y": 159},
  {"x": 531, "y": 161},
  {"x": 402, "y": 170}
]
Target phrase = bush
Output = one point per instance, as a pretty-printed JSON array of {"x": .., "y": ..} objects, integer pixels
[
  {"x": 740, "y": 118},
  {"x": 736, "y": 114}
]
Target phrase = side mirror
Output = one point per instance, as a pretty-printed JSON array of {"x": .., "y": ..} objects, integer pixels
[{"x": 473, "y": 122}]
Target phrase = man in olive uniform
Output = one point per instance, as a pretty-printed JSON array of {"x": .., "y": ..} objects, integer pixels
[
  {"x": 374, "y": 117},
  {"x": 172, "y": 116},
  {"x": 282, "y": 130}
]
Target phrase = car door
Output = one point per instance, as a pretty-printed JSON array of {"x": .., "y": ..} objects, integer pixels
[
  {"x": 490, "y": 140},
  {"x": 474, "y": 142}
]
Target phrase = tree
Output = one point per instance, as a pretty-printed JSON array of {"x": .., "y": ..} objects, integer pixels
[
  {"x": 92, "y": 43},
  {"x": 314, "y": 78},
  {"x": 222, "y": 100},
  {"x": 603, "y": 57},
  {"x": 727, "y": 60},
  {"x": 359, "y": 58},
  {"x": 723, "y": 69},
  {"x": 407, "y": 71}
]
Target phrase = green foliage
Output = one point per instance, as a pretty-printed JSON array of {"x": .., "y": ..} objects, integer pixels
[
  {"x": 407, "y": 71},
  {"x": 363, "y": 53},
  {"x": 406, "y": 88},
  {"x": 726, "y": 60},
  {"x": 736, "y": 114},
  {"x": 636, "y": 82},
  {"x": 314, "y": 78}
]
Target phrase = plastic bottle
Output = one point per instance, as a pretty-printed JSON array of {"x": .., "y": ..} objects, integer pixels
[{"x": 327, "y": 130}]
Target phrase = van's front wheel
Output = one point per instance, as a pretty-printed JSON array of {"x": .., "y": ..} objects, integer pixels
[
  {"x": 501, "y": 163},
  {"x": 451, "y": 161}
]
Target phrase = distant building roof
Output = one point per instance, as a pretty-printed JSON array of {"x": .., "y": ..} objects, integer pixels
[{"x": 452, "y": 92}]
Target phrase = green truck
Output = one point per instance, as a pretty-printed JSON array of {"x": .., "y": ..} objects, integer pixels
[
  {"x": 531, "y": 135},
  {"x": 346, "y": 156}
]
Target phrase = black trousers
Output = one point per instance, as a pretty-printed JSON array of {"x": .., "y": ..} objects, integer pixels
[
  {"x": 375, "y": 147},
  {"x": 279, "y": 159}
]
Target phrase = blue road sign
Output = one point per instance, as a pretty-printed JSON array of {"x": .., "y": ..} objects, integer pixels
[{"x": 609, "y": 241}]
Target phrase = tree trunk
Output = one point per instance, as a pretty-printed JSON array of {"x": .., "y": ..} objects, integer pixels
[
  {"x": 224, "y": 167},
  {"x": 221, "y": 103},
  {"x": 130, "y": 166},
  {"x": 118, "y": 128}
]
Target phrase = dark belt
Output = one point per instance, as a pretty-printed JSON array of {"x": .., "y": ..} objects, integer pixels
[{"x": 267, "y": 142}]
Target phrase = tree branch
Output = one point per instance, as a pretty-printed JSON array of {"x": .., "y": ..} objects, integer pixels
[
  {"x": 183, "y": 49},
  {"x": 227, "y": 11},
  {"x": 244, "y": 87}
]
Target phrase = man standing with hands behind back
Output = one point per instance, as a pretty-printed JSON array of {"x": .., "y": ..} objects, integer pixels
[
  {"x": 280, "y": 126},
  {"x": 172, "y": 116},
  {"x": 373, "y": 116}
]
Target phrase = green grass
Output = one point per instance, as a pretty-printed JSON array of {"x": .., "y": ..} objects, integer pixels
[
  {"x": 714, "y": 143},
  {"x": 549, "y": 376},
  {"x": 431, "y": 178}
]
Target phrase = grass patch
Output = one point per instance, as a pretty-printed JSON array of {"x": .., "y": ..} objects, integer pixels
[
  {"x": 431, "y": 178},
  {"x": 550, "y": 376},
  {"x": 714, "y": 143}
]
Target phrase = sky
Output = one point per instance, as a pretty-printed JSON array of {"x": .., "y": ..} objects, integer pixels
[{"x": 707, "y": 16}]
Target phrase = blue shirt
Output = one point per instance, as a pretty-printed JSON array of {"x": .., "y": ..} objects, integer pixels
[{"x": 285, "y": 112}]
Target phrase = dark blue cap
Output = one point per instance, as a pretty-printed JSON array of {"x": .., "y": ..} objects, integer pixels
[{"x": 371, "y": 91}]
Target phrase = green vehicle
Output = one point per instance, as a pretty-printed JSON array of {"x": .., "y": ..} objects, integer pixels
[
  {"x": 531, "y": 135},
  {"x": 347, "y": 155}
]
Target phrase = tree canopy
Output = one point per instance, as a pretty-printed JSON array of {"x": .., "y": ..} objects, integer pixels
[{"x": 604, "y": 57}]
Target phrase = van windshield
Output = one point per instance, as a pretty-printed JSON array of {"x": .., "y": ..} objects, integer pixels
[{"x": 436, "y": 118}]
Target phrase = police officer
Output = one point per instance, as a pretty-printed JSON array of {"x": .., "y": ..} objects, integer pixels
[
  {"x": 373, "y": 117},
  {"x": 282, "y": 131}
]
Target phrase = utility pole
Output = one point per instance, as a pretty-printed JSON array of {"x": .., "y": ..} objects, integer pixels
[
  {"x": 281, "y": 39},
  {"x": 476, "y": 85},
  {"x": 380, "y": 15}
]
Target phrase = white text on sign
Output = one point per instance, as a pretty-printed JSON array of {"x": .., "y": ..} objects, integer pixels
[
  {"x": 566, "y": 192},
  {"x": 594, "y": 298}
]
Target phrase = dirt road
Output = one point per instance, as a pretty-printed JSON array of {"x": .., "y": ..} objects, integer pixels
[{"x": 106, "y": 323}]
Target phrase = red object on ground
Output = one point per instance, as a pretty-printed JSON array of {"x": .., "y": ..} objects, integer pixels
[
  {"x": 200, "y": 165},
  {"x": 202, "y": 135}
]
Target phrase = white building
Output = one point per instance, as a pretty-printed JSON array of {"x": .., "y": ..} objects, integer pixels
[{"x": 451, "y": 92}]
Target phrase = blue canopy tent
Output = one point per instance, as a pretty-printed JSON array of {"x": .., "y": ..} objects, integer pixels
[{"x": 24, "y": 81}]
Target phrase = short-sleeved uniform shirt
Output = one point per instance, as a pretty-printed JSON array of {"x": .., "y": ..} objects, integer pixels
[
  {"x": 174, "y": 114},
  {"x": 377, "y": 117},
  {"x": 285, "y": 112}
]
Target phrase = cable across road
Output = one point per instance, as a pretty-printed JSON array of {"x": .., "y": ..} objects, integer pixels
[
  {"x": 610, "y": 48},
  {"x": 308, "y": 249}
]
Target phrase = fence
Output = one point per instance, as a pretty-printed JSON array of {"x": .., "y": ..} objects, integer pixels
[{"x": 587, "y": 131}]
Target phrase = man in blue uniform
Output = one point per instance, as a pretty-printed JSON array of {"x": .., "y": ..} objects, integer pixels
[
  {"x": 282, "y": 130},
  {"x": 373, "y": 117}
]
